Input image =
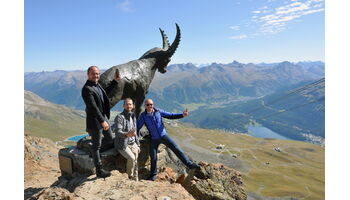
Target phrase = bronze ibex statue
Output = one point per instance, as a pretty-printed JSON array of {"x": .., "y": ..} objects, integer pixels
[{"x": 137, "y": 75}]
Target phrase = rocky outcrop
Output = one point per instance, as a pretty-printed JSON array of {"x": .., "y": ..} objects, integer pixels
[
  {"x": 40, "y": 164},
  {"x": 211, "y": 181},
  {"x": 167, "y": 174},
  {"x": 215, "y": 182},
  {"x": 53, "y": 193},
  {"x": 118, "y": 186}
]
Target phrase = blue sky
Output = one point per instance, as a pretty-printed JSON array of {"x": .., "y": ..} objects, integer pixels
[{"x": 74, "y": 34}]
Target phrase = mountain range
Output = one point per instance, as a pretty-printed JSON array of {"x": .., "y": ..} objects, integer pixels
[
  {"x": 219, "y": 96},
  {"x": 186, "y": 84}
]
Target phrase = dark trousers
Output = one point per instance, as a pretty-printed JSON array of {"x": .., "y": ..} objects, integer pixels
[
  {"x": 168, "y": 142},
  {"x": 99, "y": 138}
]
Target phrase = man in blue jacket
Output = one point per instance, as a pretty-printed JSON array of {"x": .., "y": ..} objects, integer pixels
[{"x": 152, "y": 118}]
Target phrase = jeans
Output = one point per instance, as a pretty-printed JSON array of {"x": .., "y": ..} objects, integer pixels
[
  {"x": 168, "y": 142},
  {"x": 97, "y": 141}
]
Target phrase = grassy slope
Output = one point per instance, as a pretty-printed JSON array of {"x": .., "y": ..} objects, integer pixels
[
  {"x": 52, "y": 121},
  {"x": 53, "y": 130},
  {"x": 57, "y": 125},
  {"x": 298, "y": 171}
]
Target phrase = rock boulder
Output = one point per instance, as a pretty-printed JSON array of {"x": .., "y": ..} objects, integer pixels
[
  {"x": 53, "y": 193},
  {"x": 215, "y": 182}
]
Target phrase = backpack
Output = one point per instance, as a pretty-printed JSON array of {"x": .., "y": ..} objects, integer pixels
[{"x": 85, "y": 144}]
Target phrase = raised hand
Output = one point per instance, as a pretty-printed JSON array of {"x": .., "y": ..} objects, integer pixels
[
  {"x": 117, "y": 75},
  {"x": 185, "y": 113},
  {"x": 105, "y": 125}
]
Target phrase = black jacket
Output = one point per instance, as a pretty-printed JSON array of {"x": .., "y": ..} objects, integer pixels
[{"x": 96, "y": 110}]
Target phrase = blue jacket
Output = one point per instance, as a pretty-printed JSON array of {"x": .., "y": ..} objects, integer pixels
[{"x": 154, "y": 123}]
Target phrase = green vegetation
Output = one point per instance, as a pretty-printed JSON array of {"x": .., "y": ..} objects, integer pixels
[
  {"x": 52, "y": 121},
  {"x": 54, "y": 129},
  {"x": 297, "y": 171},
  {"x": 192, "y": 106}
]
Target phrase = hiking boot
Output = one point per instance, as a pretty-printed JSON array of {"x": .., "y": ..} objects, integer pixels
[
  {"x": 193, "y": 166},
  {"x": 152, "y": 178},
  {"x": 101, "y": 173}
]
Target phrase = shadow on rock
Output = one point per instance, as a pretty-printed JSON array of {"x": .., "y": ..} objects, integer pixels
[
  {"x": 70, "y": 183},
  {"x": 29, "y": 192}
]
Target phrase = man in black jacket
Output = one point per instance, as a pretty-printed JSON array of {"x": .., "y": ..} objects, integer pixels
[{"x": 97, "y": 115}]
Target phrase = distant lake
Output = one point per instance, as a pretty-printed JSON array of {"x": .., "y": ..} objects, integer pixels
[
  {"x": 77, "y": 138},
  {"x": 263, "y": 132}
]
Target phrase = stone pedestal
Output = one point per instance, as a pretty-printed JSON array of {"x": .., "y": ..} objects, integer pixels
[{"x": 73, "y": 160}]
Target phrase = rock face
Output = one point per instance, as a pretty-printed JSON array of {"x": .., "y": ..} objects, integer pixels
[
  {"x": 215, "y": 182},
  {"x": 167, "y": 174},
  {"x": 53, "y": 193},
  {"x": 40, "y": 164},
  {"x": 117, "y": 186}
]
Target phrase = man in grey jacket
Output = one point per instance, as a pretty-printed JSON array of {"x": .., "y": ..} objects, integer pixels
[{"x": 126, "y": 140}]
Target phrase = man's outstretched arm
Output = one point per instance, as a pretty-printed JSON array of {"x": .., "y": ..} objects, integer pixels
[{"x": 169, "y": 115}]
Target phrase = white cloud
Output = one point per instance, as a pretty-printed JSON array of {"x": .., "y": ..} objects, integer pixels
[
  {"x": 126, "y": 6},
  {"x": 282, "y": 19},
  {"x": 316, "y": 1},
  {"x": 313, "y": 11},
  {"x": 262, "y": 10},
  {"x": 294, "y": 7},
  {"x": 318, "y": 5},
  {"x": 275, "y": 16},
  {"x": 238, "y": 37},
  {"x": 277, "y": 21},
  {"x": 236, "y": 28}
]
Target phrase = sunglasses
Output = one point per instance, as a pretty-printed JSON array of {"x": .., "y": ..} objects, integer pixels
[{"x": 149, "y": 104}]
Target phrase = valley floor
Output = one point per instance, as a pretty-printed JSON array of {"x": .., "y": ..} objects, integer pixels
[{"x": 271, "y": 168}]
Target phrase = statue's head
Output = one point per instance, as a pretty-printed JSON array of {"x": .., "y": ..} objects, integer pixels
[{"x": 163, "y": 55}]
